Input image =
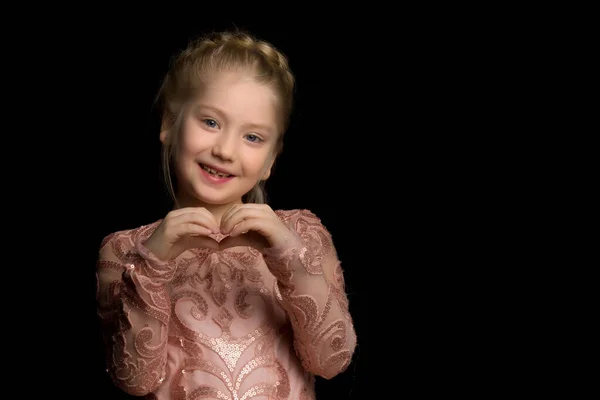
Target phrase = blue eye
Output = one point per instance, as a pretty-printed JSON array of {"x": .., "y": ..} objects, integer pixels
[
  {"x": 253, "y": 138},
  {"x": 211, "y": 123}
]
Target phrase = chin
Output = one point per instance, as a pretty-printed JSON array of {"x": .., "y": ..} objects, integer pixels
[
  {"x": 214, "y": 196},
  {"x": 213, "y": 199}
]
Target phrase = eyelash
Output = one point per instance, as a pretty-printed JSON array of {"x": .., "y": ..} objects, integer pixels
[{"x": 206, "y": 121}]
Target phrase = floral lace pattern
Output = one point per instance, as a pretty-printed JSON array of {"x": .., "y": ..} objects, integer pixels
[{"x": 232, "y": 324}]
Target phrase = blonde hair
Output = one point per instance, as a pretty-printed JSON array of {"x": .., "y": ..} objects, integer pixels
[{"x": 193, "y": 68}]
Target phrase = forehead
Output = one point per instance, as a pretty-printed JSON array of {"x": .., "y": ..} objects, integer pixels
[{"x": 240, "y": 97}]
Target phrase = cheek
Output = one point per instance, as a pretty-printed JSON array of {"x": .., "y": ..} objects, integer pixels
[
  {"x": 259, "y": 164},
  {"x": 186, "y": 152},
  {"x": 192, "y": 140},
  {"x": 187, "y": 134}
]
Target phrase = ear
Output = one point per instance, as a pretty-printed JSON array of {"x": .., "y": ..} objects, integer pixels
[
  {"x": 269, "y": 166},
  {"x": 267, "y": 174},
  {"x": 163, "y": 136}
]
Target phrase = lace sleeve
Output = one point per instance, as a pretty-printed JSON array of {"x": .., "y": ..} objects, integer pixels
[
  {"x": 311, "y": 285},
  {"x": 134, "y": 308}
]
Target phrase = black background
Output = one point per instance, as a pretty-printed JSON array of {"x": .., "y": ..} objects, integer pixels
[{"x": 390, "y": 139}]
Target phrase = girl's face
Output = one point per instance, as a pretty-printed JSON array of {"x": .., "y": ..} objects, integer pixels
[{"x": 227, "y": 141}]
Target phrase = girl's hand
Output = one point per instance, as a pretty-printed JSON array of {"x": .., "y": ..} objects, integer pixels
[
  {"x": 181, "y": 230},
  {"x": 254, "y": 225}
]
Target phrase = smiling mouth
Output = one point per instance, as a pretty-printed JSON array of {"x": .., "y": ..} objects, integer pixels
[{"x": 215, "y": 172}]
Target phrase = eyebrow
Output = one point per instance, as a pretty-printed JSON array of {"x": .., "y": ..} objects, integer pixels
[
  {"x": 264, "y": 127},
  {"x": 211, "y": 108}
]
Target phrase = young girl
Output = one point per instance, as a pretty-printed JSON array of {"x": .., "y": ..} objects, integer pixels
[{"x": 224, "y": 298}]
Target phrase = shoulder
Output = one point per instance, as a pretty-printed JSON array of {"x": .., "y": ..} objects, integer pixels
[
  {"x": 309, "y": 228},
  {"x": 298, "y": 217},
  {"x": 122, "y": 241},
  {"x": 304, "y": 222}
]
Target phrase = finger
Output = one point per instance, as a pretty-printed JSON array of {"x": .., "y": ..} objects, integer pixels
[
  {"x": 196, "y": 216},
  {"x": 238, "y": 207},
  {"x": 249, "y": 224},
  {"x": 211, "y": 217},
  {"x": 180, "y": 211},
  {"x": 192, "y": 229},
  {"x": 228, "y": 213},
  {"x": 192, "y": 211},
  {"x": 207, "y": 216},
  {"x": 239, "y": 215},
  {"x": 226, "y": 226}
]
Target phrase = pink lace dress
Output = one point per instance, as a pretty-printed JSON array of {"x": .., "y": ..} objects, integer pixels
[{"x": 232, "y": 324}]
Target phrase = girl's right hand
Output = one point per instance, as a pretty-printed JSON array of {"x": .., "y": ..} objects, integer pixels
[{"x": 183, "y": 229}]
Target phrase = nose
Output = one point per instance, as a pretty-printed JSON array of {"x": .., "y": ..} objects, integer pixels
[{"x": 224, "y": 146}]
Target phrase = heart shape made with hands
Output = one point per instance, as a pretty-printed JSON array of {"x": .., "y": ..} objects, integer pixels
[{"x": 225, "y": 242}]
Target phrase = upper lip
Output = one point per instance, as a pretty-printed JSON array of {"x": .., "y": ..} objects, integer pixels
[{"x": 224, "y": 171}]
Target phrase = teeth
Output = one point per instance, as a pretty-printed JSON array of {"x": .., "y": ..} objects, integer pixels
[{"x": 212, "y": 171}]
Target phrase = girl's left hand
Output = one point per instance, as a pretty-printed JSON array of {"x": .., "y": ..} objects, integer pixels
[{"x": 254, "y": 225}]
